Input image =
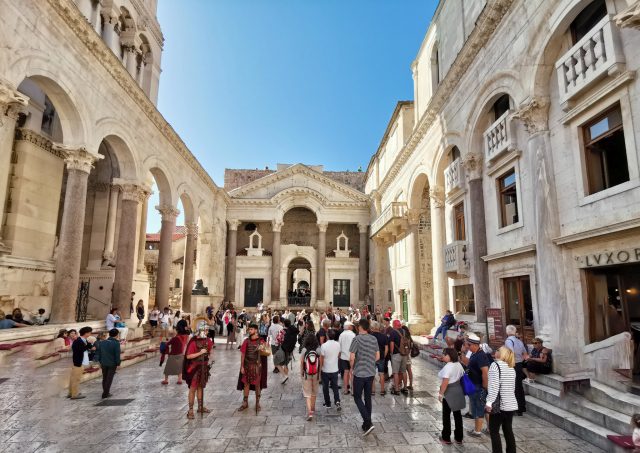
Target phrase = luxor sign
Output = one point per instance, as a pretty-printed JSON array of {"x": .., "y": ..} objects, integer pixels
[{"x": 605, "y": 258}]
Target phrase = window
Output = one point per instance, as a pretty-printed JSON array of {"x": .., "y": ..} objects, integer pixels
[
  {"x": 587, "y": 19},
  {"x": 463, "y": 295},
  {"x": 390, "y": 295},
  {"x": 508, "y": 199},
  {"x": 605, "y": 152},
  {"x": 458, "y": 216},
  {"x": 518, "y": 306},
  {"x": 454, "y": 153},
  {"x": 500, "y": 107},
  {"x": 176, "y": 283}
]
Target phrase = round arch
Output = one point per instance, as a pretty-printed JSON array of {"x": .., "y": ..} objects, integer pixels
[
  {"x": 452, "y": 139},
  {"x": 157, "y": 168},
  {"x": 417, "y": 183},
  {"x": 190, "y": 214},
  {"x": 299, "y": 198},
  {"x": 127, "y": 165}
]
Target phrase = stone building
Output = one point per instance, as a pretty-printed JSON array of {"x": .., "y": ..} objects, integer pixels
[{"x": 512, "y": 181}]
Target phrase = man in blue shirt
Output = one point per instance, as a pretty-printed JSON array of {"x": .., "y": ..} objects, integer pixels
[
  {"x": 109, "y": 360},
  {"x": 478, "y": 368}
]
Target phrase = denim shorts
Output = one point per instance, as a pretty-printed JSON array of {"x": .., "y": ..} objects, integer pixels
[
  {"x": 381, "y": 365},
  {"x": 477, "y": 402}
]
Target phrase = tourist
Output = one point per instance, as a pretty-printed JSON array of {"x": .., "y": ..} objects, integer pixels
[
  {"x": 112, "y": 318},
  {"x": 175, "y": 350},
  {"x": 520, "y": 353},
  {"x": 289, "y": 343},
  {"x": 344, "y": 364},
  {"x": 231, "y": 331},
  {"x": 446, "y": 323},
  {"x": 399, "y": 347},
  {"x": 62, "y": 333},
  {"x": 153, "y": 320},
  {"x": 502, "y": 382},
  {"x": 183, "y": 324},
  {"x": 538, "y": 362},
  {"x": 383, "y": 345},
  {"x": 325, "y": 325},
  {"x": 80, "y": 358},
  {"x": 176, "y": 319},
  {"x": 195, "y": 368},
  {"x": 315, "y": 318},
  {"x": 209, "y": 312},
  {"x": 9, "y": 323},
  {"x": 274, "y": 330},
  {"x": 219, "y": 322},
  {"x": 18, "y": 317},
  {"x": 109, "y": 358},
  {"x": 253, "y": 364},
  {"x": 73, "y": 334},
  {"x": 329, "y": 355},
  {"x": 165, "y": 321},
  {"x": 40, "y": 319},
  {"x": 478, "y": 370},
  {"x": 263, "y": 327},
  {"x": 451, "y": 396},
  {"x": 307, "y": 329},
  {"x": 409, "y": 376},
  {"x": 140, "y": 312},
  {"x": 364, "y": 353},
  {"x": 310, "y": 373}
]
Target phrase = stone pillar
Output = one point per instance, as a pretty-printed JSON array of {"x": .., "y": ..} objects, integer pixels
[
  {"x": 478, "y": 247},
  {"x": 362, "y": 264},
  {"x": 12, "y": 103},
  {"x": 187, "y": 276},
  {"x": 440, "y": 287},
  {"x": 413, "y": 255},
  {"x": 131, "y": 60},
  {"x": 65, "y": 287},
  {"x": 95, "y": 16},
  {"x": 108, "y": 253},
  {"x": 133, "y": 194},
  {"x": 322, "y": 255},
  {"x": 169, "y": 214},
  {"x": 232, "y": 250},
  {"x": 142, "y": 233},
  {"x": 109, "y": 34},
  {"x": 275, "y": 262}
]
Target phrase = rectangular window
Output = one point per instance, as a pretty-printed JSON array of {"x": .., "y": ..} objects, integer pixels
[
  {"x": 463, "y": 295},
  {"x": 605, "y": 152},
  {"x": 518, "y": 305},
  {"x": 458, "y": 216},
  {"x": 508, "y": 198},
  {"x": 390, "y": 295}
]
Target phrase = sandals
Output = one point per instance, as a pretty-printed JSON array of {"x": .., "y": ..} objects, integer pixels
[
  {"x": 245, "y": 404},
  {"x": 383, "y": 393},
  {"x": 258, "y": 405},
  {"x": 179, "y": 383},
  {"x": 203, "y": 410},
  {"x": 165, "y": 382},
  {"x": 190, "y": 414}
]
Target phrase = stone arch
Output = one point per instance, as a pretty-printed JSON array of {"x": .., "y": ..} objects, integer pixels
[
  {"x": 299, "y": 198},
  {"x": 127, "y": 165},
  {"x": 184, "y": 193},
  {"x": 417, "y": 183},
  {"x": 157, "y": 168},
  {"x": 440, "y": 160}
]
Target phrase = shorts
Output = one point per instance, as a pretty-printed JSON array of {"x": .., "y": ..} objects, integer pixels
[
  {"x": 153, "y": 323},
  {"x": 408, "y": 360},
  {"x": 381, "y": 365},
  {"x": 310, "y": 386},
  {"x": 477, "y": 402},
  {"x": 398, "y": 363},
  {"x": 344, "y": 365}
]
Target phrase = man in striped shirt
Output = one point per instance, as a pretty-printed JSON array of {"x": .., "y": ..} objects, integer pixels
[{"x": 364, "y": 354}]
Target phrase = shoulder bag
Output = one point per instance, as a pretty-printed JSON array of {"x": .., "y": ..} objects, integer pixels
[{"x": 495, "y": 407}]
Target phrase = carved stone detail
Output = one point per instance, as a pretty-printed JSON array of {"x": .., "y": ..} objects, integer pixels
[
  {"x": 40, "y": 141},
  {"x": 363, "y": 228},
  {"x": 77, "y": 158},
  {"x": 534, "y": 115},
  {"x": 630, "y": 17},
  {"x": 413, "y": 216},
  {"x": 168, "y": 212},
  {"x": 132, "y": 190},
  {"x": 191, "y": 228},
  {"x": 276, "y": 226},
  {"x": 233, "y": 224},
  {"x": 436, "y": 193},
  {"x": 322, "y": 226},
  {"x": 12, "y": 102},
  {"x": 473, "y": 165}
]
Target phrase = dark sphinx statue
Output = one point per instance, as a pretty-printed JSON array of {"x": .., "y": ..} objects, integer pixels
[{"x": 200, "y": 289}]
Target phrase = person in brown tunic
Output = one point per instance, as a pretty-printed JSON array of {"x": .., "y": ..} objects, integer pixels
[
  {"x": 196, "y": 368},
  {"x": 252, "y": 368}
]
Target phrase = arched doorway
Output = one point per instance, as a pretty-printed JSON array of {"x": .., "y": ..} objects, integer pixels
[{"x": 299, "y": 282}]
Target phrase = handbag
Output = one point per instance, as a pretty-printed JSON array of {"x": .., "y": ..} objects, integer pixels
[
  {"x": 495, "y": 407},
  {"x": 415, "y": 352},
  {"x": 264, "y": 350},
  {"x": 468, "y": 387}
]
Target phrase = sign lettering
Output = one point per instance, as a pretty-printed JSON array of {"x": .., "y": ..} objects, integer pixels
[{"x": 607, "y": 258}]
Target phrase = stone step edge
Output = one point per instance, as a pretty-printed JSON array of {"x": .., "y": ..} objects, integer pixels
[
  {"x": 613, "y": 393},
  {"x": 574, "y": 424}
]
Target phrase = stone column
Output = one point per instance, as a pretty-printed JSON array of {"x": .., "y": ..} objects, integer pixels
[
  {"x": 86, "y": 8},
  {"x": 142, "y": 233},
  {"x": 169, "y": 214},
  {"x": 275, "y": 262},
  {"x": 232, "y": 250},
  {"x": 133, "y": 193},
  {"x": 109, "y": 34},
  {"x": 79, "y": 162},
  {"x": 131, "y": 60},
  {"x": 413, "y": 255},
  {"x": 440, "y": 287},
  {"x": 478, "y": 247},
  {"x": 187, "y": 276},
  {"x": 12, "y": 103},
  {"x": 362, "y": 262},
  {"x": 95, "y": 16},
  {"x": 322, "y": 255},
  {"x": 108, "y": 253}
]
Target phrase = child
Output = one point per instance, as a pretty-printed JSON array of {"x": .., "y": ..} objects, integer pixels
[{"x": 635, "y": 424}]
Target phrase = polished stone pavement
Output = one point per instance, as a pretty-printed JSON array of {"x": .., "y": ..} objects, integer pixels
[{"x": 35, "y": 416}]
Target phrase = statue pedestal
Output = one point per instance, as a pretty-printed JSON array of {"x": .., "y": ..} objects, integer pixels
[{"x": 199, "y": 304}]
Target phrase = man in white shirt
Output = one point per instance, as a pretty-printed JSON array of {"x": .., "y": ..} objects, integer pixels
[
  {"x": 153, "y": 320},
  {"x": 329, "y": 355},
  {"x": 345, "y": 339},
  {"x": 272, "y": 333}
]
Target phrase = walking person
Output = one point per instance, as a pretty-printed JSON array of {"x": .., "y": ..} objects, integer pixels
[
  {"x": 153, "y": 320},
  {"x": 195, "y": 368},
  {"x": 310, "y": 373},
  {"x": 344, "y": 364},
  {"x": 274, "y": 330},
  {"x": 383, "y": 344},
  {"x": 231, "y": 331},
  {"x": 175, "y": 352},
  {"x": 520, "y": 353},
  {"x": 80, "y": 356},
  {"x": 451, "y": 396},
  {"x": 399, "y": 347},
  {"x": 109, "y": 360},
  {"x": 140, "y": 312},
  {"x": 365, "y": 353},
  {"x": 478, "y": 367},
  {"x": 329, "y": 354},
  {"x": 253, "y": 367},
  {"x": 502, "y": 385}
]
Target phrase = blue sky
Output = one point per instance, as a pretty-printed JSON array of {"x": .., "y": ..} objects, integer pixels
[{"x": 253, "y": 83}]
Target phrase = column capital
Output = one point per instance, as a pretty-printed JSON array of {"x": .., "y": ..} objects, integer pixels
[
  {"x": 534, "y": 114},
  {"x": 322, "y": 226},
  {"x": 132, "y": 190},
  {"x": 77, "y": 158},
  {"x": 363, "y": 228},
  {"x": 630, "y": 17},
  {"x": 473, "y": 165},
  {"x": 413, "y": 216},
  {"x": 276, "y": 226},
  {"x": 233, "y": 224},
  {"x": 191, "y": 228},
  {"x": 12, "y": 102},
  {"x": 168, "y": 212},
  {"x": 436, "y": 193}
]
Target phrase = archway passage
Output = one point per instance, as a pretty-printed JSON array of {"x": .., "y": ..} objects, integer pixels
[{"x": 299, "y": 283}]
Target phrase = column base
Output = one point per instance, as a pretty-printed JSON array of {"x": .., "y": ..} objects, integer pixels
[
  {"x": 4, "y": 250},
  {"x": 419, "y": 325}
]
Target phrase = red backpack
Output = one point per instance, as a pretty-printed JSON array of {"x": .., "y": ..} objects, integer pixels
[{"x": 311, "y": 363}]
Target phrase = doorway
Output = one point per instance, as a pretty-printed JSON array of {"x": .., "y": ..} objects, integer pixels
[
  {"x": 405, "y": 306},
  {"x": 341, "y": 293},
  {"x": 519, "y": 307},
  {"x": 253, "y": 291}
]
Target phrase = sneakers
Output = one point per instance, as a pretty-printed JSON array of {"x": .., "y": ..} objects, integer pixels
[
  {"x": 310, "y": 416},
  {"x": 443, "y": 441},
  {"x": 474, "y": 433},
  {"x": 338, "y": 406},
  {"x": 485, "y": 431},
  {"x": 368, "y": 430}
]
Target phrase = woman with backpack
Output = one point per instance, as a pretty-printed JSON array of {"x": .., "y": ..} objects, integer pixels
[{"x": 310, "y": 373}]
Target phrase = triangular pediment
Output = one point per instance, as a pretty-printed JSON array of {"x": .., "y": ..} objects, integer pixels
[{"x": 298, "y": 178}]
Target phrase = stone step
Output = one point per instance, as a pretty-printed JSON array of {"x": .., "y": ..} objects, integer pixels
[
  {"x": 611, "y": 398},
  {"x": 591, "y": 432}
]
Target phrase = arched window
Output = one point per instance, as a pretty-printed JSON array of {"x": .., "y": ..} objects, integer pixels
[
  {"x": 435, "y": 67},
  {"x": 500, "y": 106},
  {"x": 454, "y": 153},
  {"x": 587, "y": 19}
]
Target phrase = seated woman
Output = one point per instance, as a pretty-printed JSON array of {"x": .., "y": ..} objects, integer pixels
[
  {"x": 18, "y": 317},
  {"x": 6, "y": 323},
  {"x": 539, "y": 361}
]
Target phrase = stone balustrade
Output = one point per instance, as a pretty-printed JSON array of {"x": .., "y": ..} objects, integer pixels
[
  {"x": 597, "y": 54},
  {"x": 453, "y": 177},
  {"x": 499, "y": 137},
  {"x": 456, "y": 261},
  {"x": 391, "y": 222}
]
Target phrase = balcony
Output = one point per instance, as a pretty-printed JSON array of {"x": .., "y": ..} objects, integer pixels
[
  {"x": 499, "y": 138},
  {"x": 391, "y": 223},
  {"x": 456, "y": 261},
  {"x": 593, "y": 57},
  {"x": 453, "y": 177}
]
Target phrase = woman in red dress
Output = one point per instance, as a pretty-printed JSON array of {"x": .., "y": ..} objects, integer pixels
[
  {"x": 196, "y": 368},
  {"x": 253, "y": 367}
]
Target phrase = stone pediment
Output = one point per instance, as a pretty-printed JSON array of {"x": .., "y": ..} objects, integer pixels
[{"x": 298, "y": 179}]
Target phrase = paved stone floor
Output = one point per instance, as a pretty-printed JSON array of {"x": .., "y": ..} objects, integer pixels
[{"x": 35, "y": 416}]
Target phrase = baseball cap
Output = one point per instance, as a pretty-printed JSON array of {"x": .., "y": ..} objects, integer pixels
[{"x": 397, "y": 323}]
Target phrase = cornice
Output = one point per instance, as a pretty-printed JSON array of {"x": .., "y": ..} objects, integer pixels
[
  {"x": 40, "y": 141},
  {"x": 297, "y": 169},
  {"x": 486, "y": 24},
  {"x": 69, "y": 13},
  {"x": 152, "y": 24}
]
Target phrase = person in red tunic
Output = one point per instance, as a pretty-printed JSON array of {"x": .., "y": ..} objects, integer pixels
[
  {"x": 196, "y": 368},
  {"x": 253, "y": 367}
]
